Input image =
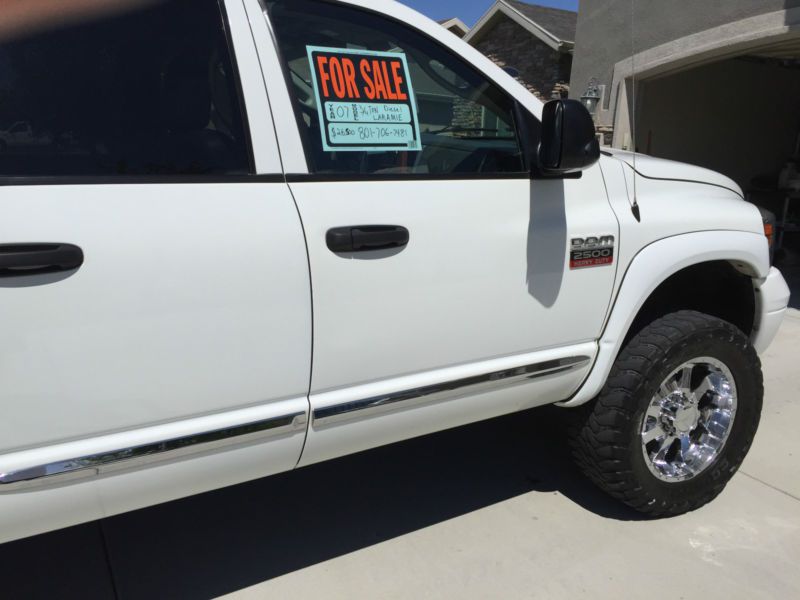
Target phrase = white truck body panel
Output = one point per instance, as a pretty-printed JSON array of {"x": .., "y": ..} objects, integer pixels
[
  {"x": 458, "y": 407},
  {"x": 165, "y": 320},
  {"x": 661, "y": 168},
  {"x": 35, "y": 510},
  {"x": 471, "y": 285}
]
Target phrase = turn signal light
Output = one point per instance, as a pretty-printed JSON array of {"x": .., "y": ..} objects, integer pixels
[{"x": 769, "y": 231}]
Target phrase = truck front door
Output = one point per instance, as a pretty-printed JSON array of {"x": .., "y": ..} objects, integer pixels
[{"x": 440, "y": 269}]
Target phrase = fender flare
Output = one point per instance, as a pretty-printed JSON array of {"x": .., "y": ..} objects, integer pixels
[{"x": 653, "y": 265}]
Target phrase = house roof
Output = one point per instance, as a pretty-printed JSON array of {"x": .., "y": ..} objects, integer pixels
[
  {"x": 559, "y": 22},
  {"x": 454, "y": 23},
  {"x": 554, "y": 26}
]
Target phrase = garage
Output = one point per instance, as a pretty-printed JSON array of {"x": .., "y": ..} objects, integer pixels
[{"x": 716, "y": 88}]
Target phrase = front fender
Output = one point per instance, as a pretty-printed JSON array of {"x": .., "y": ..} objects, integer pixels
[{"x": 748, "y": 252}]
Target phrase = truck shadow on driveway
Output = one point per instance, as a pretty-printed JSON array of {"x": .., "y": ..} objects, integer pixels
[{"x": 226, "y": 540}]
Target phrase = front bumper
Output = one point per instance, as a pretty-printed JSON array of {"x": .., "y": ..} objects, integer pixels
[{"x": 772, "y": 298}]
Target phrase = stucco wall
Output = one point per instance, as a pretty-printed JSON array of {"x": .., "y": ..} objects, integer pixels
[
  {"x": 750, "y": 129},
  {"x": 603, "y": 36},
  {"x": 540, "y": 67}
]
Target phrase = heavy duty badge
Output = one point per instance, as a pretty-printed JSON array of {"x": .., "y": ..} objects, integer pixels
[{"x": 591, "y": 252}]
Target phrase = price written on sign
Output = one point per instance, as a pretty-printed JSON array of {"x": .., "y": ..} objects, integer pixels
[{"x": 365, "y": 100}]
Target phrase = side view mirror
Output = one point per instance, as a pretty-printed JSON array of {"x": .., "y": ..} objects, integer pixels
[{"x": 568, "y": 142}]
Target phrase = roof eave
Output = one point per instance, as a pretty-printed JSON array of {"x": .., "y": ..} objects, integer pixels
[
  {"x": 457, "y": 23},
  {"x": 502, "y": 8}
]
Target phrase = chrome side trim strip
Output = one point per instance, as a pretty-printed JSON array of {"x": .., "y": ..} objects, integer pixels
[
  {"x": 137, "y": 456},
  {"x": 355, "y": 409}
]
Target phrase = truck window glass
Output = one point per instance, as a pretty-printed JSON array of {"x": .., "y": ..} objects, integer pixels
[
  {"x": 146, "y": 88},
  {"x": 466, "y": 122}
]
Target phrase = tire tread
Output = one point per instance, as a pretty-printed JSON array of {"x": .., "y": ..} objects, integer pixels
[{"x": 600, "y": 434}]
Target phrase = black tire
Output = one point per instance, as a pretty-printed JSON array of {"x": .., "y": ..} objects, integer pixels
[{"x": 605, "y": 435}]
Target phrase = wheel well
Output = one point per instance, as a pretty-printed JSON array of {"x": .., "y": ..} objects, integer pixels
[{"x": 715, "y": 288}]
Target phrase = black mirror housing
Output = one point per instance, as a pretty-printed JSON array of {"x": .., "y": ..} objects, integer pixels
[{"x": 568, "y": 142}]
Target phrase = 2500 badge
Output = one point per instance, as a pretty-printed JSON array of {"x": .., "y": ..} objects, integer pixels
[{"x": 591, "y": 252}]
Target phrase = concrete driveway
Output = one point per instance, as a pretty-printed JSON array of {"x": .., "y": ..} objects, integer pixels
[{"x": 493, "y": 510}]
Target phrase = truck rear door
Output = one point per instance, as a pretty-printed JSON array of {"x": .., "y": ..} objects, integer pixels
[{"x": 154, "y": 280}]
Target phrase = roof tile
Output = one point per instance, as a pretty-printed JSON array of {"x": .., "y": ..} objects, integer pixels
[{"x": 561, "y": 23}]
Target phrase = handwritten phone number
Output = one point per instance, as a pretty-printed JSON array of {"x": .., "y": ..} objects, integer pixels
[{"x": 370, "y": 133}]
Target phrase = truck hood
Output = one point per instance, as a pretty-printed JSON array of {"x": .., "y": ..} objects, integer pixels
[{"x": 660, "y": 168}]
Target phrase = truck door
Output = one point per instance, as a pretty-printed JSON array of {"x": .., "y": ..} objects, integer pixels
[
  {"x": 154, "y": 288},
  {"x": 444, "y": 290}
]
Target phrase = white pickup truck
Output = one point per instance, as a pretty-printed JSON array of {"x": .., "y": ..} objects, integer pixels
[{"x": 291, "y": 230}]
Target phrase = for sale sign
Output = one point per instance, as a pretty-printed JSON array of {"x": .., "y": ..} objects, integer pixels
[{"x": 365, "y": 100}]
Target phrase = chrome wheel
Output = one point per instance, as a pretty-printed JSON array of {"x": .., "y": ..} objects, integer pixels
[{"x": 689, "y": 419}]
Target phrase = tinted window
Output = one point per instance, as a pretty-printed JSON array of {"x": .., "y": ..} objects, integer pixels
[
  {"x": 141, "y": 87},
  {"x": 466, "y": 122}
]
